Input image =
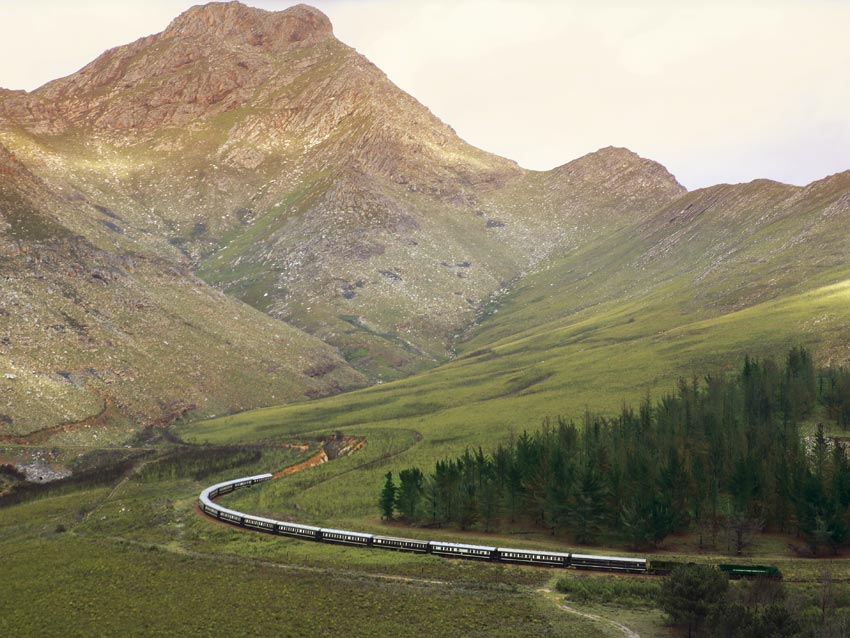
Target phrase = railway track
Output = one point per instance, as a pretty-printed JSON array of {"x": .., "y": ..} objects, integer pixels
[
  {"x": 615, "y": 564},
  {"x": 206, "y": 503}
]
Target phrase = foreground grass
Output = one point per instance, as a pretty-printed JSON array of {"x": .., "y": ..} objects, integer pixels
[
  {"x": 138, "y": 559},
  {"x": 186, "y": 575},
  {"x": 95, "y": 588}
]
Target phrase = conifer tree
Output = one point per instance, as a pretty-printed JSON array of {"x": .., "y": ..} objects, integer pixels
[
  {"x": 409, "y": 494},
  {"x": 388, "y": 495},
  {"x": 690, "y": 593}
]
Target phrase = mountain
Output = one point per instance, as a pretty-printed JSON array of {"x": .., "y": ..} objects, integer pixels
[
  {"x": 291, "y": 173},
  {"x": 726, "y": 253},
  {"x": 96, "y": 343},
  {"x": 261, "y": 193}
]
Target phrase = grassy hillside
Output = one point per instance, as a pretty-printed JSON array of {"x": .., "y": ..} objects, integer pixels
[
  {"x": 592, "y": 363},
  {"x": 755, "y": 268}
]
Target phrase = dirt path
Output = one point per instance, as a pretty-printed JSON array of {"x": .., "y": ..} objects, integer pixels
[
  {"x": 628, "y": 632},
  {"x": 317, "y": 459},
  {"x": 329, "y": 450},
  {"x": 40, "y": 437},
  {"x": 133, "y": 472}
]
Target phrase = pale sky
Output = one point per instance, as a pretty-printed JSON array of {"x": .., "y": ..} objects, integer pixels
[{"x": 717, "y": 91}]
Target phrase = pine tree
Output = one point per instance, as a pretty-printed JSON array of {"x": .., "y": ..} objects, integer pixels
[
  {"x": 588, "y": 510},
  {"x": 690, "y": 593},
  {"x": 409, "y": 494},
  {"x": 388, "y": 494}
]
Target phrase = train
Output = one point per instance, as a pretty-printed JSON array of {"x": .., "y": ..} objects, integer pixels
[{"x": 615, "y": 564}]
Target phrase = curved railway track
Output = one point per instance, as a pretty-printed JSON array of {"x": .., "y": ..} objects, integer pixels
[
  {"x": 621, "y": 564},
  {"x": 207, "y": 505}
]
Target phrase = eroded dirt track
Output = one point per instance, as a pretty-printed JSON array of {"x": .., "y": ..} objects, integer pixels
[
  {"x": 601, "y": 619},
  {"x": 330, "y": 450},
  {"x": 43, "y": 436},
  {"x": 317, "y": 459}
]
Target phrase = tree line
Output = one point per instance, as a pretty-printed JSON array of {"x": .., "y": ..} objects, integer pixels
[{"x": 723, "y": 455}]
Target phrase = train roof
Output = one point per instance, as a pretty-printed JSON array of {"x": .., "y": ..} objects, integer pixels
[
  {"x": 461, "y": 545},
  {"x": 345, "y": 531},
  {"x": 617, "y": 559},
  {"x": 534, "y": 551},
  {"x": 398, "y": 538},
  {"x": 299, "y": 525},
  {"x": 251, "y": 517},
  {"x": 258, "y": 477}
]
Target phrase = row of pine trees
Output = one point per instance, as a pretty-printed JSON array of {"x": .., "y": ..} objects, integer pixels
[{"x": 723, "y": 456}]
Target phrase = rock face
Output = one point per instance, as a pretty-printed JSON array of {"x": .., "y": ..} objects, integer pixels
[
  {"x": 234, "y": 21},
  {"x": 209, "y": 60},
  {"x": 251, "y": 153}
]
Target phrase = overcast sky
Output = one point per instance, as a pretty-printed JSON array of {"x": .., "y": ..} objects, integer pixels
[{"x": 717, "y": 91}]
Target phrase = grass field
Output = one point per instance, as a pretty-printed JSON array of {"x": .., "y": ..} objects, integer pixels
[
  {"x": 539, "y": 357},
  {"x": 139, "y": 560}
]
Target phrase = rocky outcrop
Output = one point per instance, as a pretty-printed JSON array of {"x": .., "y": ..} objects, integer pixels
[
  {"x": 208, "y": 61},
  {"x": 234, "y": 21}
]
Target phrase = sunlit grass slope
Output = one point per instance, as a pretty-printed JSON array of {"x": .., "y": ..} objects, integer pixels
[
  {"x": 594, "y": 363},
  {"x": 756, "y": 269}
]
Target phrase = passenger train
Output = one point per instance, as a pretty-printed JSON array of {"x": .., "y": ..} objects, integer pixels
[{"x": 440, "y": 548}]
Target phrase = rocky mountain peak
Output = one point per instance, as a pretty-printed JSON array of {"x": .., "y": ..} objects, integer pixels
[
  {"x": 234, "y": 20},
  {"x": 209, "y": 60},
  {"x": 4, "y": 93},
  {"x": 615, "y": 167}
]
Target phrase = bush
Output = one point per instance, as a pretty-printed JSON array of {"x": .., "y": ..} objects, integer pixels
[
  {"x": 199, "y": 462},
  {"x": 691, "y": 592},
  {"x": 628, "y": 592}
]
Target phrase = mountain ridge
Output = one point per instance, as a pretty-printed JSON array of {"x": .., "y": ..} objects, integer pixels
[{"x": 254, "y": 150}]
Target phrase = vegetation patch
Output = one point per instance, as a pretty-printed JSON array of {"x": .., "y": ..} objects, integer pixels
[
  {"x": 85, "y": 478},
  {"x": 610, "y": 590},
  {"x": 199, "y": 462}
]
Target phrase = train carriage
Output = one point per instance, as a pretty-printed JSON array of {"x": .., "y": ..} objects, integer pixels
[
  {"x": 608, "y": 563},
  {"x": 533, "y": 557},
  {"x": 230, "y": 515},
  {"x": 345, "y": 537},
  {"x": 263, "y": 524},
  {"x": 294, "y": 529},
  {"x": 462, "y": 550},
  {"x": 736, "y": 572},
  {"x": 400, "y": 544}
]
